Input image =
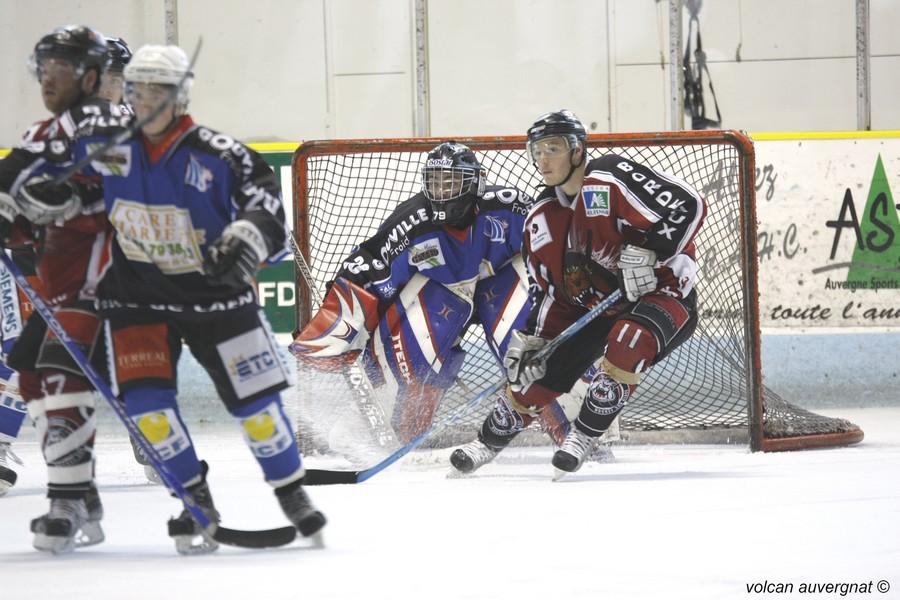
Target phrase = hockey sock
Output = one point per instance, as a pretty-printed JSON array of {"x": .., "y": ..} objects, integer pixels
[
  {"x": 155, "y": 412},
  {"x": 502, "y": 425},
  {"x": 268, "y": 433},
  {"x": 605, "y": 399},
  {"x": 66, "y": 427}
]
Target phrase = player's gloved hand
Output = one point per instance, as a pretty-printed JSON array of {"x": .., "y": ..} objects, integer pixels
[
  {"x": 8, "y": 213},
  {"x": 234, "y": 258},
  {"x": 41, "y": 201},
  {"x": 636, "y": 271},
  {"x": 521, "y": 367}
]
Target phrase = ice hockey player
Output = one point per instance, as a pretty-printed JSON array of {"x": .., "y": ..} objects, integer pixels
[
  {"x": 195, "y": 212},
  {"x": 446, "y": 257},
  {"x": 66, "y": 225},
  {"x": 598, "y": 225},
  {"x": 112, "y": 85}
]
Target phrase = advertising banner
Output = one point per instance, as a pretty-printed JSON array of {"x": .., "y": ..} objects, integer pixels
[{"x": 829, "y": 237}]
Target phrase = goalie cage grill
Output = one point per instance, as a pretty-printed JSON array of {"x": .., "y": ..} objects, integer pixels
[{"x": 710, "y": 389}]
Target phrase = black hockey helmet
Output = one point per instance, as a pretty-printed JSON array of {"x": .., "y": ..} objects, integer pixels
[
  {"x": 560, "y": 123},
  {"x": 119, "y": 54},
  {"x": 452, "y": 180},
  {"x": 83, "y": 46}
]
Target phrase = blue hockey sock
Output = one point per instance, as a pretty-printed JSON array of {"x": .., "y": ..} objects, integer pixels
[
  {"x": 270, "y": 437},
  {"x": 155, "y": 412}
]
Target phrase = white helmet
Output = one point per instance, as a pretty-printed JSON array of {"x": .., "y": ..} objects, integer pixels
[{"x": 162, "y": 65}]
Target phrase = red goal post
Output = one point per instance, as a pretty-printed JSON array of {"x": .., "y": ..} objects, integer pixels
[{"x": 709, "y": 389}]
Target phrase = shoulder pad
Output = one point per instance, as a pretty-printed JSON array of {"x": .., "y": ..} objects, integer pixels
[
  {"x": 238, "y": 156},
  {"x": 498, "y": 196}
]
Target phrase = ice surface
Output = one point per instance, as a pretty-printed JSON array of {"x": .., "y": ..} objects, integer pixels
[{"x": 662, "y": 522}]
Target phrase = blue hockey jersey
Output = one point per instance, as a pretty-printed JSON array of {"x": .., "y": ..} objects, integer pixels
[{"x": 166, "y": 209}]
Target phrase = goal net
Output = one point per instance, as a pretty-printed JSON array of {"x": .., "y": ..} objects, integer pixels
[{"x": 710, "y": 389}]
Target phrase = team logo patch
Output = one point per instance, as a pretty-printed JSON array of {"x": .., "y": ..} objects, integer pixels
[
  {"x": 596, "y": 200},
  {"x": 163, "y": 429},
  {"x": 266, "y": 432},
  {"x": 495, "y": 229},
  {"x": 539, "y": 231},
  {"x": 115, "y": 162},
  {"x": 426, "y": 255},
  {"x": 163, "y": 235},
  {"x": 251, "y": 363},
  {"x": 196, "y": 175}
]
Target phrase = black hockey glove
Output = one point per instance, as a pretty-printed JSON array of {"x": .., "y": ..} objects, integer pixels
[
  {"x": 41, "y": 201},
  {"x": 234, "y": 258}
]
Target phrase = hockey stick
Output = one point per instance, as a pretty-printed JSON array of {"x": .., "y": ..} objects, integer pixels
[
  {"x": 129, "y": 131},
  {"x": 356, "y": 378},
  {"x": 328, "y": 477},
  {"x": 267, "y": 538}
]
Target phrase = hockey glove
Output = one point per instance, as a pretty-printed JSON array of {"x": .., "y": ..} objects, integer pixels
[
  {"x": 233, "y": 259},
  {"x": 9, "y": 210},
  {"x": 41, "y": 201},
  {"x": 636, "y": 271},
  {"x": 521, "y": 368}
]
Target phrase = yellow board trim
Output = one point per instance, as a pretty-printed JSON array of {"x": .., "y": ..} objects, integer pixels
[{"x": 759, "y": 136}]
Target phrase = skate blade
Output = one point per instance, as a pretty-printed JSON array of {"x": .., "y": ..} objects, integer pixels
[
  {"x": 314, "y": 542},
  {"x": 455, "y": 473},
  {"x": 152, "y": 476},
  {"x": 53, "y": 543},
  {"x": 90, "y": 534},
  {"x": 559, "y": 474},
  {"x": 602, "y": 454},
  {"x": 190, "y": 545},
  {"x": 5, "y": 486}
]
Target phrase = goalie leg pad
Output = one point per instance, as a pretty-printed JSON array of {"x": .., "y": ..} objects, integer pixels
[
  {"x": 154, "y": 411},
  {"x": 339, "y": 330},
  {"x": 268, "y": 434},
  {"x": 502, "y": 305},
  {"x": 66, "y": 426},
  {"x": 416, "y": 341}
]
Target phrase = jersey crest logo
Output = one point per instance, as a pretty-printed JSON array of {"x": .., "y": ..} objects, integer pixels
[
  {"x": 426, "y": 255},
  {"x": 496, "y": 229},
  {"x": 540, "y": 232},
  {"x": 596, "y": 200},
  {"x": 196, "y": 175}
]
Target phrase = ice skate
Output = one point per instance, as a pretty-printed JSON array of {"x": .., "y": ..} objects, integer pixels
[
  {"x": 141, "y": 458},
  {"x": 571, "y": 454},
  {"x": 7, "y": 476},
  {"x": 298, "y": 508},
  {"x": 66, "y": 526},
  {"x": 189, "y": 537},
  {"x": 471, "y": 457}
]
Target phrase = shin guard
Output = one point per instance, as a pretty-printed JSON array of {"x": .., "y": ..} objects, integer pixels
[
  {"x": 155, "y": 413},
  {"x": 66, "y": 427},
  {"x": 269, "y": 436}
]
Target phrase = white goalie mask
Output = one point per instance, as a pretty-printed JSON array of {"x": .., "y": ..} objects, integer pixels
[{"x": 160, "y": 65}]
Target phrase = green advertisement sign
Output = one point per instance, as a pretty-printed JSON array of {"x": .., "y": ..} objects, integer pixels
[{"x": 277, "y": 283}]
